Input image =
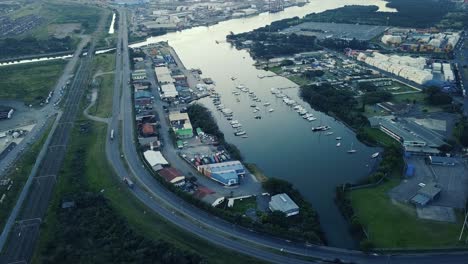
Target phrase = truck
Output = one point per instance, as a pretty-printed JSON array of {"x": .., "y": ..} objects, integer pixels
[
  {"x": 112, "y": 134},
  {"x": 128, "y": 182}
]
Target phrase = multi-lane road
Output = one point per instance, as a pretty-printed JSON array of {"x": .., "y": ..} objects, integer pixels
[
  {"x": 198, "y": 222},
  {"x": 24, "y": 234}
]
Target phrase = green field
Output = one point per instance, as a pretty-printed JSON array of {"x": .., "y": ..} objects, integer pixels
[
  {"x": 104, "y": 63},
  {"x": 419, "y": 98},
  {"x": 299, "y": 80},
  {"x": 380, "y": 137},
  {"x": 19, "y": 174},
  {"x": 394, "y": 225},
  {"x": 99, "y": 178},
  {"x": 30, "y": 83},
  {"x": 241, "y": 206}
]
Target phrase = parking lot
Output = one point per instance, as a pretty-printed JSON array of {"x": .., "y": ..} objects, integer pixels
[
  {"x": 332, "y": 30},
  {"x": 453, "y": 180}
]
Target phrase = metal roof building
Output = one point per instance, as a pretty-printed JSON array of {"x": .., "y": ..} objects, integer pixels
[
  {"x": 283, "y": 203},
  {"x": 442, "y": 161},
  {"x": 226, "y": 173},
  {"x": 426, "y": 194}
]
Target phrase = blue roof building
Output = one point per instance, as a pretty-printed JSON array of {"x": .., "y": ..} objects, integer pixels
[{"x": 226, "y": 173}]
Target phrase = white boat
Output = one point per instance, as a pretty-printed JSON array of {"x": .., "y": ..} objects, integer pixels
[
  {"x": 244, "y": 136},
  {"x": 271, "y": 110},
  {"x": 255, "y": 110},
  {"x": 240, "y": 86},
  {"x": 273, "y": 90},
  {"x": 240, "y": 133},
  {"x": 375, "y": 155},
  {"x": 329, "y": 133},
  {"x": 338, "y": 144},
  {"x": 338, "y": 138},
  {"x": 234, "y": 122},
  {"x": 236, "y": 125},
  {"x": 266, "y": 104},
  {"x": 352, "y": 150},
  {"x": 310, "y": 119}
]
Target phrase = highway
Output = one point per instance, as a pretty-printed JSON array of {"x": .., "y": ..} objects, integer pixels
[
  {"x": 197, "y": 221},
  {"x": 461, "y": 58},
  {"x": 22, "y": 238}
]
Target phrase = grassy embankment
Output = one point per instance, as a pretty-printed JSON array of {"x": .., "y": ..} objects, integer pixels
[
  {"x": 100, "y": 179},
  {"x": 104, "y": 63},
  {"x": 30, "y": 83},
  {"x": 19, "y": 173}
]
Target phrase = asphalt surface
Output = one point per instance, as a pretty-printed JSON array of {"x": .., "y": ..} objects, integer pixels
[
  {"x": 197, "y": 221},
  {"x": 22, "y": 238}
]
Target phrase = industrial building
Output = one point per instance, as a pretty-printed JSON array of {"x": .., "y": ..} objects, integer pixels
[
  {"x": 172, "y": 175},
  {"x": 168, "y": 91},
  {"x": 181, "y": 125},
  {"x": 155, "y": 159},
  {"x": 163, "y": 74},
  {"x": 283, "y": 203},
  {"x": 404, "y": 66},
  {"x": 426, "y": 194},
  {"x": 226, "y": 173},
  {"x": 391, "y": 128},
  {"x": 139, "y": 75}
]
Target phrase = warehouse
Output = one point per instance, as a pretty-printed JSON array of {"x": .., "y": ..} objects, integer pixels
[
  {"x": 226, "y": 173},
  {"x": 168, "y": 91},
  {"x": 426, "y": 194},
  {"x": 155, "y": 159},
  {"x": 181, "y": 125},
  {"x": 163, "y": 74},
  {"x": 283, "y": 203}
]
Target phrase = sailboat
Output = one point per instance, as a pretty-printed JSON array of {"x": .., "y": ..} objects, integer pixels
[
  {"x": 351, "y": 150},
  {"x": 338, "y": 144}
]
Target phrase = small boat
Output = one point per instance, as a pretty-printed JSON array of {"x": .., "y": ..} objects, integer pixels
[
  {"x": 244, "y": 136},
  {"x": 338, "y": 144},
  {"x": 351, "y": 150},
  {"x": 329, "y": 133},
  {"x": 240, "y": 133},
  {"x": 234, "y": 122},
  {"x": 240, "y": 86},
  {"x": 375, "y": 155},
  {"x": 236, "y": 125},
  {"x": 273, "y": 91},
  {"x": 320, "y": 128},
  {"x": 310, "y": 119},
  {"x": 271, "y": 110},
  {"x": 217, "y": 42},
  {"x": 237, "y": 99},
  {"x": 233, "y": 78},
  {"x": 255, "y": 110},
  {"x": 229, "y": 118},
  {"x": 266, "y": 104},
  {"x": 253, "y": 105},
  {"x": 338, "y": 138},
  {"x": 258, "y": 117}
]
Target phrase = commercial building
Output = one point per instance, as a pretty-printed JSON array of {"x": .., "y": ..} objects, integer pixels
[
  {"x": 155, "y": 159},
  {"x": 283, "y": 203},
  {"x": 163, "y": 74},
  {"x": 168, "y": 91},
  {"x": 181, "y": 125},
  {"x": 226, "y": 173},
  {"x": 426, "y": 194},
  {"x": 173, "y": 176},
  {"x": 139, "y": 75}
]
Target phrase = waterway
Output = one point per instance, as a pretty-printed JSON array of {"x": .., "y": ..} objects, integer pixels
[{"x": 281, "y": 143}]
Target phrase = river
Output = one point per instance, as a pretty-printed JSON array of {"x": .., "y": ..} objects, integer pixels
[{"x": 281, "y": 143}]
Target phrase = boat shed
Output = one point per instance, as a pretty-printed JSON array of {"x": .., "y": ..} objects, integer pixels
[
  {"x": 442, "y": 161},
  {"x": 283, "y": 203},
  {"x": 226, "y": 173},
  {"x": 173, "y": 176},
  {"x": 426, "y": 194}
]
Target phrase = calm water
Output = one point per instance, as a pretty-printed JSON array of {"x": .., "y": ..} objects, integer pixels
[{"x": 281, "y": 143}]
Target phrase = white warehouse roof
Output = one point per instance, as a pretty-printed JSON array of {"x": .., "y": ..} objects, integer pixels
[{"x": 155, "y": 158}]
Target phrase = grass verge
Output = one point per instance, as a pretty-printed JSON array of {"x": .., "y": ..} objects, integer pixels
[{"x": 105, "y": 63}]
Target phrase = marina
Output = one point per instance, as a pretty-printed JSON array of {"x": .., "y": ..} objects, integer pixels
[{"x": 262, "y": 138}]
